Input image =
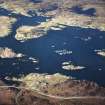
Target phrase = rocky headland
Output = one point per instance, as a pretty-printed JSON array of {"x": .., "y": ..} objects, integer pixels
[{"x": 64, "y": 19}]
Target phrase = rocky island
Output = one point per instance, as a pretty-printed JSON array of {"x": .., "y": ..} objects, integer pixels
[
  {"x": 9, "y": 53},
  {"x": 102, "y": 53},
  {"x": 63, "y": 52},
  {"x": 70, "y": 66}
]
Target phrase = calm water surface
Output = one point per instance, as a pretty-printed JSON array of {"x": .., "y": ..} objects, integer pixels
[{"x": 70, "y": 38}]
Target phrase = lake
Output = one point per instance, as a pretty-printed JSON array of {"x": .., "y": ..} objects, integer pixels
[{"x": 43, "y": 48}]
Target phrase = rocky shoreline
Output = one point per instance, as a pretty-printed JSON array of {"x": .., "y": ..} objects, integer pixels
[
  {"x": 55, "y": 85},
  {"x": 60, "y": 85},
  {"x": 64, "y": 19},
  {"x": 61, "y": 17}
]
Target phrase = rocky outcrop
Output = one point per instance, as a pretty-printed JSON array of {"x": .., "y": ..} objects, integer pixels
[
  {"x": 27, "y": 32},
  {"x": 71, "y": 67},
  {"x": 9, "y": 53},
  {"x": 100, "y": 52}
]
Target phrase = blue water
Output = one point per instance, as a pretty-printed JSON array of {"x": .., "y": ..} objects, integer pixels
[
  {"x": 36, "y": 1},
  {"x": 79, "y": 10},
  {"x": 49, "y": 61}
]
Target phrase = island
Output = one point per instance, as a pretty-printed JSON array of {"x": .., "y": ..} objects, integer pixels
[
  {"x": 71, "y": 67},
  {"x": 5, "y": 52},
  {"x": 63, "y": 52},
  {"x": 100, "y": 52}
]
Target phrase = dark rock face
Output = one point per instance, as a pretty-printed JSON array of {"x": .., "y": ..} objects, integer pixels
[{"x": 36, "y": 1}]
